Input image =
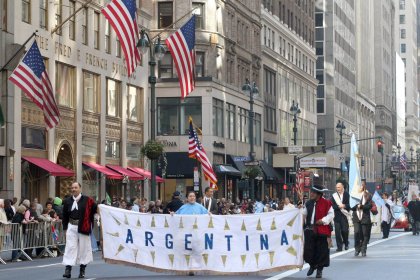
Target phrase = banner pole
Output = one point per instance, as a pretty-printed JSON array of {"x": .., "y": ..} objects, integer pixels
[{"x": 18, "y": 51}]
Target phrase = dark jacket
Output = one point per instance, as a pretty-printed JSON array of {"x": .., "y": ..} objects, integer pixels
[
  {"x": 414, "y": 209},
  {"x": 18, "y": 218},
  {"x": 173, "y": 205},
  {"x": 59, "y": 210},
  {"x": 87, "y": 208},
  {"x": 213, "y": 205},
  {"x": 338, "y": 215},
  {"x": 9, "y": 213},
  {"x": 366, "y": 210}
]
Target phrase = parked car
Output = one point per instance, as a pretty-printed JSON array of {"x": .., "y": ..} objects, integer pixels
[{"x": 400, "y": 218}]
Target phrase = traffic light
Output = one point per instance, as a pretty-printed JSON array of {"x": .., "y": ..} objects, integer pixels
[
  {"x": 380, "y": 145},
  {"x": 285, "y": 187}
]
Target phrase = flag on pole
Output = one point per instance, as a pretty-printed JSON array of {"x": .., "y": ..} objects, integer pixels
[
  {"x": 355, "y": 181},
  {"x": 378, "y": 199},
  {"x": 403, "y": 161},
  {"x": 196, "y": 150},
  {"x": 181, "y": 45},
  {"x": 54, "y": 233},
  {"x": 32, "y": 78},
  {"x": 122, "y": 15}
]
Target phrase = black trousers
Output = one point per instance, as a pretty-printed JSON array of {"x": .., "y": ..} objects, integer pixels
[
  {"x": 361, "y": 236},
  {"x": 316, "y": 252},
  {"x": 385, "y": 229},
  {"x": 341, "y": 228}
]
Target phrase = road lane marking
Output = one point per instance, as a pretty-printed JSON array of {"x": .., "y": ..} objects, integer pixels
[
  {"x": 306, "y": 266},
  {"x": 30, "y": 267}
]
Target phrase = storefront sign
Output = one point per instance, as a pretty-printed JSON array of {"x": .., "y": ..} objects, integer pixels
[
  {"x": 313, "y": 162},
  {"x": 236, "y": 244}
]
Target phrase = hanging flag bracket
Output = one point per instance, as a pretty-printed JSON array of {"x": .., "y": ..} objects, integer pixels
[{"x": 18, "y": 51}]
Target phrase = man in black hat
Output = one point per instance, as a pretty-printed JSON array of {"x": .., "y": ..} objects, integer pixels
[
  {"x": 174, "y": 204},
  {"x": 318, "y": 213}
]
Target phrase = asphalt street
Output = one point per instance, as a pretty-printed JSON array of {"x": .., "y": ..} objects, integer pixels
[{"x": 395, "y": 258}]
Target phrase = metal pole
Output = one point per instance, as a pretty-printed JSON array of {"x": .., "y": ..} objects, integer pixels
[
  {"x": 152, "y": 81},
  {"x": 382, "y": 171},
  {"x": 399, "y": 169},
  {"x": 251, "y": 135},
  {"x": 341, "y": 140},
  {"x": 70, "y": 16},
  {"x": 294, "y": 157},
  {"x": 18, "y": 51}
]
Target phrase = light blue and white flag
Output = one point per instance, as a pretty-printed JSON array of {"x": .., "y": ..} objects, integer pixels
[
  {"x": 378, "y": 199},
  {"x": 355, "y": 181}
]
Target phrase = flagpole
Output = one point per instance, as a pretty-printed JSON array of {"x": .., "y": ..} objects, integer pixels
[{"x": 18, "y": 51}]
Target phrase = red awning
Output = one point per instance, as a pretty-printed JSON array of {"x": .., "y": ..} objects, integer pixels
[
  {"x": 49, "y": 166},
  {"x": 146, "y": 174},
  {"x": 109, "y": 173},
  {"x": 131, "y": 175}
]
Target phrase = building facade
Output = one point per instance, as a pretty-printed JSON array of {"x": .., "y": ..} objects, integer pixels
[
  {"x": 335, "y": 44},
  {"x": 288, "y": 59},
  {"x": 228, "y": 51},
  {"x": 102, "y": 110},
  {"x": 406, "y": 38},
  {"x": 385, "y": 83}
]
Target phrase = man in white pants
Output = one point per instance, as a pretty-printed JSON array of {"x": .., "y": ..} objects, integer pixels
[{"x": 78, "y": 212}]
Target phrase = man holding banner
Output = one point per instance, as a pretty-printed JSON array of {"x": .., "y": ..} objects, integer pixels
[
  {"x": 341, "y": 205},
  {"x": 319, "y": 214}
]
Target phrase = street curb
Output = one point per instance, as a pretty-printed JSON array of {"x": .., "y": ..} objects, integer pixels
[{"x": 306, "y": 266}]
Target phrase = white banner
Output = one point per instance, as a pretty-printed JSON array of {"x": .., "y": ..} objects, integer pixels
[{"x": 219, "y": 244}]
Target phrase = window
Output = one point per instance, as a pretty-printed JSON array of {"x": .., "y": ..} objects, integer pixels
[
  {"x": 173, "y": 114},
  {"x": 43, "y": 14},
  {"x": 402, "y": 19},
  {"x": 403, "y": 33},
  {"x": 113, "y": 98},
  {"x": 107, "y": 37},
  {"x": 243, "y": 125},
  {"x": 165, "y": 66},
  {"x": 133, "y": 151},
  {"x": 58, "y": 15},
  {"x": 118, "y": 48},
  {"x": 26, "y": 11},
  {"x": 72, "y": 20},
  {"x": 85, "y": 26},
  {"x": 89, "y": 146},
  {"x": 199, "y": 15},
  {"x": 320, "y": 106},
  {"x": 402, "y": 4},
  {"x": 231, "y": 121},
  {"x": 199, "y": 64},
  {"x": 33, "y": 138},
  {"x": 218, "y": 117},
  {"x": 112, "y": 149},
  {"x": 91, "y": 92},
  {"x": 65, "y": 84},
  {"x": 96, "y": 22},
  {"x": 403, "y": 48},
  {"x": 134, "y": 104},
  {"x": 165, "y": 13},
  {"x": 270, "y": 122}
]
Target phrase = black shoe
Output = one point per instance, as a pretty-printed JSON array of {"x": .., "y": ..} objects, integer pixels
[
  {"x": 318, "y": 274},
  {"x": 356, "y": 253},
  {"x": 67, "y": 272},
  {"x": 339, "y": 250},
  {"x": 363, "y": 254},
  {"x": 346, "y": 248},
  {"x": 82, "y": 271},
  {"x": 310, "y": 271},
  {"x": 191, "y": 273}
]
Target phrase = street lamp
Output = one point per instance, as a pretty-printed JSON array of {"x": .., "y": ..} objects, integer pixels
[
  {"x": 411, "y": 162},
  {"x": 295, "y": 110},
  {"x": 417, "y": 164},
  {"x": 155, "y": 54},
  {"x": 399, "y": 166},
  {"x": 340, "y": 127},
  {"x": 251, "y": 89}
]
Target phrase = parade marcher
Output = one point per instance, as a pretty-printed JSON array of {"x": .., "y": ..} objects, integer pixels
[
  {"x": 209, "y": 202},
  {"x": 287, "y": 204},
  {"x": 174, "y": 204},
  {"x": 386, "y": 216},
  {"x": 78, "y": 217},
  {"x": 341, "y": 205},
  {"x": 318, "y": 214},
  {"x": 414, "y": 210},
  {"x": 191, "y": 207},
  {"x": 362, "y": 222},
  {"x": 259, "y": 206}
]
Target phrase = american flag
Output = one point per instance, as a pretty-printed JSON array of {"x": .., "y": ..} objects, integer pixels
[
  {"x": 181, "y": 45},
  {"x": 31, "y": 76},
  {"x": 122, "y": 15},
  {"x": 54, "y": 233},
  {"x": 196, "y": 150},
  {"x": 403, "y": 161}
]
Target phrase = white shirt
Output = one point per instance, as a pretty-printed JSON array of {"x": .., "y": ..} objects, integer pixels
[
  {"x": 288, "y": 206},
  {"x": 386, "y": 215},
  {"x": 325, "y": 220}
]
